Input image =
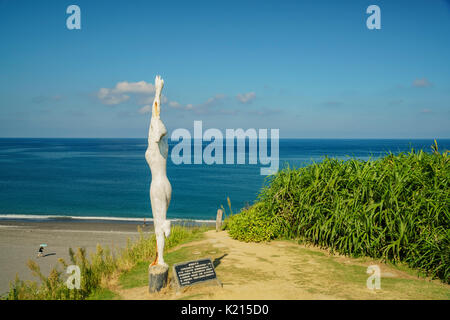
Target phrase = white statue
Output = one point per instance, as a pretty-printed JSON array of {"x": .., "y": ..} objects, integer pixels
[{"x": 160, "y": 188}]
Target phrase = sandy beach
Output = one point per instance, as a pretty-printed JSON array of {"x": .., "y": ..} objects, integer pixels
[{"x": 20, "y": 240}]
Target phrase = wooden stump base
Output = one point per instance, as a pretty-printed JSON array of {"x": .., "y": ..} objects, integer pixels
[{"x": 157, "y": 278}]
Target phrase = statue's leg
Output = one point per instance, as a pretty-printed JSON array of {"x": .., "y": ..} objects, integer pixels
[
  {"x": 160, "y": 244},
  {"x": 162, "y": 226},
  {"x": 160, "y": 241},
  {"x": 162, "y": 230},
  {"x": 166, "y": 228},
  {"x": 155, "y": 262}
]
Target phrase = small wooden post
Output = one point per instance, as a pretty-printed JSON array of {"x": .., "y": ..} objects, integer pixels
[
  {"x": 219, "y": 220},
  {"x": 157, "y": 278}
]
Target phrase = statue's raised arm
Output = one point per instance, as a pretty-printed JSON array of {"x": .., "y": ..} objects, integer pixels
[{"x": 159, "y": 85}]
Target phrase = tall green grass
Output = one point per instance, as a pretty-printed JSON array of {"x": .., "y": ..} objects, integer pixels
[
  {"x": 395, "y": 208},
  {"x": 97, "y": 270}
]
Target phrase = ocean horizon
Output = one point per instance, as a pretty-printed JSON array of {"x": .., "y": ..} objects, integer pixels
[{"x": 108, "y": 178}]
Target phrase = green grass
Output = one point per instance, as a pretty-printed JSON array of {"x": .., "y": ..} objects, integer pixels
[
  {"x": 103, "y": 294},
  {"x": 414, "y": 288},
  {"x": 135, "y": 277},
  {"x": 138, "y": 275},
  {"x": 395, "y": 208},
  {"x": 182, "y": 254},
  {"x": 343, "y": 276}
]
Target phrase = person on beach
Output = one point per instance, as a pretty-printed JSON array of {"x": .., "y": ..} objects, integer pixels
[{"x": 40, "y": 251}]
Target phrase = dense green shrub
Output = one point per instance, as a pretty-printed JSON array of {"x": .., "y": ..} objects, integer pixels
[
  {"x": 395, "y": 208},
  {"x": 258, "y": 226}
]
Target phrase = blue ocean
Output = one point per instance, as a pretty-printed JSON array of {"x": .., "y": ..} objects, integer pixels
[{"x": 109, "y": 178}]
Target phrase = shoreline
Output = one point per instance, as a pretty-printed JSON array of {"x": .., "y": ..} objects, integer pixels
[
  {"x": 90, "y": 225},
  {"x": 62, "y": 218}
]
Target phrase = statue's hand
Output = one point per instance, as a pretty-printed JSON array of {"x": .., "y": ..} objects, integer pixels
[{"x": 159, "y": 84}]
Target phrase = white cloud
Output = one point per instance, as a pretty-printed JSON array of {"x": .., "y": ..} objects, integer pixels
[
  {"x": 174, "y": 104},
  {"x": 206, "y": 106},
  {"x": 201, "y": 108},
  {"x": 213, "y": 100},
  {"x": 108, "y": 96},
  {"x": 145, "y": 109},
  {"x": 421, "y": 83},
  {"x": 246, "y": 97},
  {"x": 135, "y": 87},
  {"x": 118, "y": 94}
]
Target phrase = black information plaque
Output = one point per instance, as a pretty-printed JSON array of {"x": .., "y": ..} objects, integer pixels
[{"x": 193, "y": 272}]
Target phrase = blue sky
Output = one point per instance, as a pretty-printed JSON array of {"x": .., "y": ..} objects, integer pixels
[{"x": 310, "y": 68}]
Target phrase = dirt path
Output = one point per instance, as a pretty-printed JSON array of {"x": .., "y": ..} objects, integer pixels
[{"x": 286, "y": 270}]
